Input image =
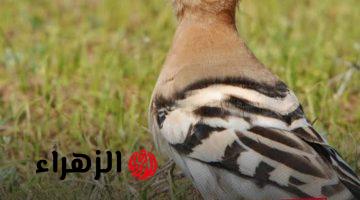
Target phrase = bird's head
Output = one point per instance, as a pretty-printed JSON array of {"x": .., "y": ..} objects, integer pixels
[{"x": 182, "y": 7}]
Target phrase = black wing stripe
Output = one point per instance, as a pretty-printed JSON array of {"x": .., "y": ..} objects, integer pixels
[
  {"x": 209, "y": 111},
  {"x": 301, "y": 133},
  {"x": 330, "y": 154},
  {"x": 247, "y": 106},
  {"x": 293, "y": 161},
  {"x": 262, "y": 173},
  {"x": 341, "y": 163},
  {"x": 195, "y": 136},
  {"x": 232, "y": 153},
  {"x": 295, "y": 181},
  {"x": 277, "y": 136},
  {"x": 315, "y": 133},
  {"x": 346, "y": 177}
]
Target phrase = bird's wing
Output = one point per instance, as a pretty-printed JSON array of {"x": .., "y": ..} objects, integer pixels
[{"x": 254, "y": 131}]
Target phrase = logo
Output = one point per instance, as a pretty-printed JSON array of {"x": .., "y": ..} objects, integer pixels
[{"x": 142, "y": 165}]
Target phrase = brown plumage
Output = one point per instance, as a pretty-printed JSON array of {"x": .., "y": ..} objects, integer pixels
[{"x": 216, "y": 49}]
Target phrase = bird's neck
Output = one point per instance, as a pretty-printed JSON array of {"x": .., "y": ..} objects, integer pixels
[
  {"x": 200, "y": 16},
  {"x": 206, "y": 38},
  {"x": 207, "y": 48}
]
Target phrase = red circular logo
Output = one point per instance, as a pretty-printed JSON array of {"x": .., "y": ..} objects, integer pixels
[{"x": 142, "y": 165}]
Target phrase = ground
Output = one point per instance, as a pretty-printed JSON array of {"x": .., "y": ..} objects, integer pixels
[{"x": 77, "y": 76}]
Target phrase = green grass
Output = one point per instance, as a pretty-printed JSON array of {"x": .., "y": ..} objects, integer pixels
[{"x": 78, "y": 75}]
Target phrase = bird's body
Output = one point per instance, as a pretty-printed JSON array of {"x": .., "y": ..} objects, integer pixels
[{"x": 232, "y": 126}]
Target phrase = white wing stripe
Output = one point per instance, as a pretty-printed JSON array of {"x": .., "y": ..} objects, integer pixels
[{"x": 217, "y": 93}]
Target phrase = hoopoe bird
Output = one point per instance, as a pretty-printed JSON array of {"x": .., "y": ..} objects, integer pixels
[{"x": 234, "y": 128}]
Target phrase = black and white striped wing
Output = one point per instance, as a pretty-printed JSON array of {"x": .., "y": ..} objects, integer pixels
[{"x": 238, "y": 129}]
